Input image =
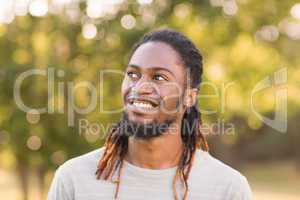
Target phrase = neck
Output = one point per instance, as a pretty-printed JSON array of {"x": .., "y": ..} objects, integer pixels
[{"x": 156, "y": 153}]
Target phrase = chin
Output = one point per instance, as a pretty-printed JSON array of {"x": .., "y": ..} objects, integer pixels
[{"x": 141, "y": 127}]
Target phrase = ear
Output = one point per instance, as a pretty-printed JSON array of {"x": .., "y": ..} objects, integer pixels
[{"x": 190, "y": 97}]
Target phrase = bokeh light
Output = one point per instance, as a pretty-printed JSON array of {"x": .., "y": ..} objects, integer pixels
[
  {"x": 92, "y": 136},
  {"x": 6, "y": 11},
  {"x": 290, "y": 28},
  {"x": 268, "y": 33},
  {"x": 97, "y": 9},
  {"x": 34, "y": 143},
  {"x": 144, "y": 2},
  {"x": 38, "y": 8},
  {"x": 295, "y": 11},
  {"x": 215, "y": 72},
  {"x": 33, "y": 116},
  {"x": 128, "y": 21},
  {"x": 89, "y": 31},
  {"x": 182, "y": 10},
  {"x": 21, "y": 7},
  {"x": 230, "y": 7},
  {"x": 58, "y": 157}
]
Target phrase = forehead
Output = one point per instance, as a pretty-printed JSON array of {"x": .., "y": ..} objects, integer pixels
[{"x": 160, "y": 55}]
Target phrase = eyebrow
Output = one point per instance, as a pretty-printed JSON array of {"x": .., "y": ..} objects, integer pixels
[{"x": 152, "y": 68}]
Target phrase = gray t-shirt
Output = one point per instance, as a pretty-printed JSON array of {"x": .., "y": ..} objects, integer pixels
[{"x": 209, "y": 179}]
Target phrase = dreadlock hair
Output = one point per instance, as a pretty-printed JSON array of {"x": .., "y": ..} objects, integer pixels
[{"x": 116, "y": 144}]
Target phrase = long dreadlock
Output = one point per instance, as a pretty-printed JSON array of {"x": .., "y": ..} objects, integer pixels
[{"x": 116, "y": 144}]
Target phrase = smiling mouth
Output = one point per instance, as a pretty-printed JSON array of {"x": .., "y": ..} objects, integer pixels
[{"x": 143, "y": 103}]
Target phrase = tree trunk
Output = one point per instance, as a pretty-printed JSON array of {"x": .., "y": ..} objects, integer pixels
[{"x": 23, "y": 178}]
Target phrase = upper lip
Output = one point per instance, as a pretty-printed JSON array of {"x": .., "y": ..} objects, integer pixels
[{"x": 150, "y": 100}]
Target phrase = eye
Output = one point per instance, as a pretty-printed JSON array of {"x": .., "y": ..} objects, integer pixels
[
  {"x": 132, "y": 75},
  {"x": 159, "y": 77}
]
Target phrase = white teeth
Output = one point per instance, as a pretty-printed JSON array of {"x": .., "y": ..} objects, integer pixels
[{"x": 142, "y": 105}]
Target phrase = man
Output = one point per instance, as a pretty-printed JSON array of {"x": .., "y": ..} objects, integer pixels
[{"x": 156, "y": 151}]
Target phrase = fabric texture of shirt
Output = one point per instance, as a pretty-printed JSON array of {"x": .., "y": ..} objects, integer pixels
[{"x": 209, "y": 179}]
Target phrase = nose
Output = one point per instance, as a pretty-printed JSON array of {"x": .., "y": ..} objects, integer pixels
[{"x": 144, "y": 86}]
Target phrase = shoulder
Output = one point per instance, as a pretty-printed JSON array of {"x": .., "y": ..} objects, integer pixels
[
  {"x": 71, "y": 173},
  {"x": 204, "y": 161},
  {"x": 216, "y": 164},
  {"x": 218, "y": 173},
  {"x": 80, "y": 164}
]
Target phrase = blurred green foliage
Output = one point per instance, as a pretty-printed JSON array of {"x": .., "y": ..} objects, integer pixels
[{"x": 242, "y": 42}]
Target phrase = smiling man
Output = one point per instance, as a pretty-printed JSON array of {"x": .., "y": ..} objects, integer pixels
[{"x": 156, "y": 151}]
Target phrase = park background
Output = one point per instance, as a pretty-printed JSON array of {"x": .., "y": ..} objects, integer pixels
[{"x": 242, "y": 41}]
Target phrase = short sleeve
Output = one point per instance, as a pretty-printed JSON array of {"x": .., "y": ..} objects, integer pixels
[{"x": 61, "y": 187}]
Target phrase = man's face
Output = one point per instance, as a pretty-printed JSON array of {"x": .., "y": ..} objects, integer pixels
[{"x": 154, "y": 83}]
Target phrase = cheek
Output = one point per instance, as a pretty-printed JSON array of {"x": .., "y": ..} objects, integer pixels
[
  {"x": 171, "y": 102},
  {"x": 171, "y": 98},
  {"x": 125, "y": 88}
]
